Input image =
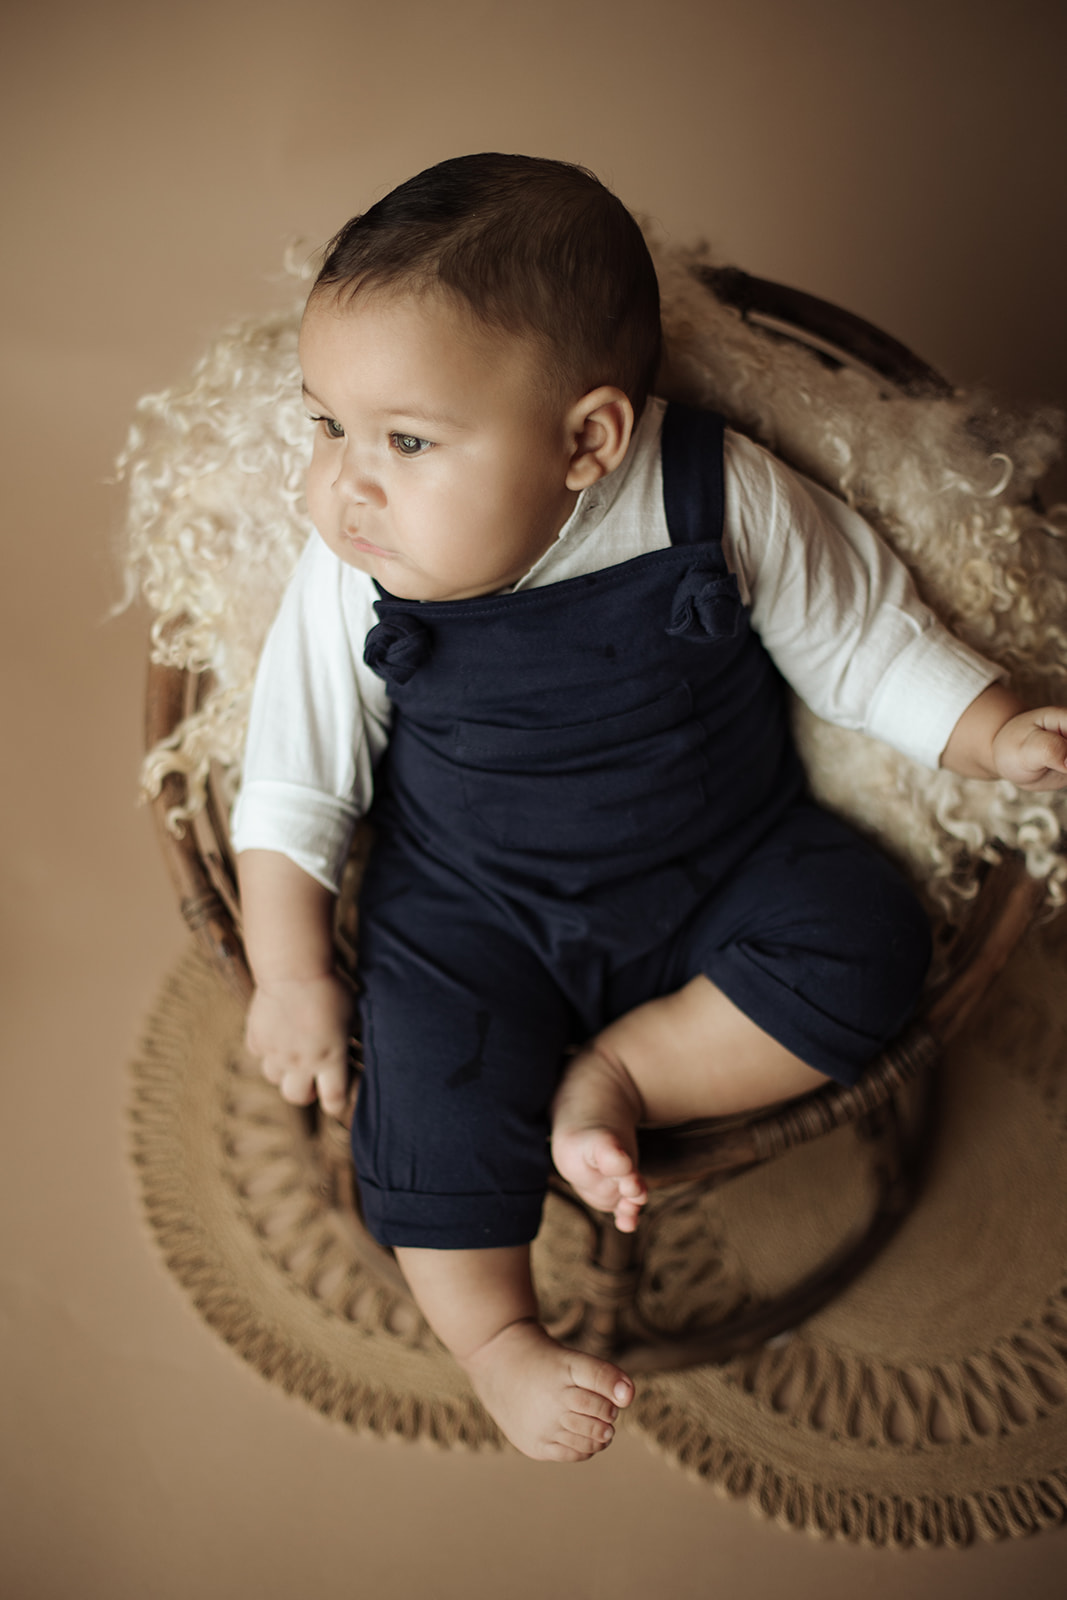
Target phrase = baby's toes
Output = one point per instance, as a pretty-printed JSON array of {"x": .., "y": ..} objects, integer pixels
[
  {"x": 605, "y": 1155},
  {"x": 627, "y": 1214},
  {"x": 606, "y": 1387},
  {"x": 583, "y": 1445},
  {"x": 570, "y": 1447},
  {"x": 633, "y": 1188},
  {"x": 598, "y": 1431},
  {"x": 582, "y": 1433}
]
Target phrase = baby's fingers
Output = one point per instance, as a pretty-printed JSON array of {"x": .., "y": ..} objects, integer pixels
[
  {"x": 297, "y": 1086},
  {"x": 332, "y": 1084},
  {"x": 273, "y": 1067},
  {"x": 1052, "y": 718},
  {"x": 1045, "y": 758},
  {"x": 295, "y": 1083}
]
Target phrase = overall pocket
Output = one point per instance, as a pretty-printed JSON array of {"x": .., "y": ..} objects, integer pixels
[{"x": 588, "y": 788}]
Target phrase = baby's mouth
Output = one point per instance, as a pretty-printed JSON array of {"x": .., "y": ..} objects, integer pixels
[{"x": 366, "y": 545}]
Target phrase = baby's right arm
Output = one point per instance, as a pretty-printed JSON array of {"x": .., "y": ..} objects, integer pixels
[
  {"x": 319, "y": 718},
  {"x": 298, "y": 1022}
]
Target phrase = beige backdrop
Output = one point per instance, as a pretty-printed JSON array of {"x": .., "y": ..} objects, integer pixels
[{"x": 905, "y": 159}]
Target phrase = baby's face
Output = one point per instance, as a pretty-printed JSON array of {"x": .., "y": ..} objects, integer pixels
[{"x": 440, "y": 460}]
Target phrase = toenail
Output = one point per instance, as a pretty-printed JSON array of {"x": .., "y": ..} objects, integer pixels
[{"x": 621, "y": 1392}]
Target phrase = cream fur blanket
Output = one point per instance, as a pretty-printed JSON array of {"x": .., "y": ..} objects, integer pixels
[{"x": 217, "y": 519}]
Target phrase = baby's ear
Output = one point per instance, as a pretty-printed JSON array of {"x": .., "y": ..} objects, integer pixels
[{"x": 601, "y": 424}]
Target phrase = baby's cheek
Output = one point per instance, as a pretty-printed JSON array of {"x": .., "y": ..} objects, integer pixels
[{"x": 317, "y": 500}]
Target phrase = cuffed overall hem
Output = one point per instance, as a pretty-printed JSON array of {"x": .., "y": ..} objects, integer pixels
[
  {"x": 821, "y": 1041},
  {"x": 449, "y": 1221},
  {"x": 818, "y": 939}
]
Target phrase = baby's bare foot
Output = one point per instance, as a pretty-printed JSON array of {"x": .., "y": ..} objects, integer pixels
[
  {"x": 594, "y": 1143},
  {"x": 554, "y": 1404},
  {"x": 598, "y": 1167}
]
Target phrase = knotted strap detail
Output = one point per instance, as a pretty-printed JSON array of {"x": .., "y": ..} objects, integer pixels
[
  {"x": 707, "y": 606},
  {"x": 396, "y": 648}
]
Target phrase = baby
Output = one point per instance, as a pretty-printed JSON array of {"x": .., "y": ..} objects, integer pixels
[{"x": 541, "y": 638}]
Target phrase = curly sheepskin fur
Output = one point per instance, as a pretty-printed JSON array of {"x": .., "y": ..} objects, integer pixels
[{"x": 217, "y": 518}]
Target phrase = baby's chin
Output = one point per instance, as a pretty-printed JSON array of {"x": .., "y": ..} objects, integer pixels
[
  {"x": 403, "y": 581},
  {"x": 386, "y": 570}
]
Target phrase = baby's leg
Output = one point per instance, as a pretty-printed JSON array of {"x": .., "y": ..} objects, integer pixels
[
  {"x": 803, "y": 966},
  {"x": 463, "y": 1037},
  {"x": 689, "y": 1054},
  {"x": 553, "y": 1403}
]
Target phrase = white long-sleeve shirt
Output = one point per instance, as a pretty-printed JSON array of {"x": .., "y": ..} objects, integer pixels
[{"x": 835, "y": 609}]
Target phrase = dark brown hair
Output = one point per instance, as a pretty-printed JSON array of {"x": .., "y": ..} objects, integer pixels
[{"x": 533, "y": 247}]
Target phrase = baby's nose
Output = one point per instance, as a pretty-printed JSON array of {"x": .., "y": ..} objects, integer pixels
[{"x": 357, "y": 481}]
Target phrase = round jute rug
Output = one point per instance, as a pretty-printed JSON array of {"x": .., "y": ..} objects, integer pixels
[{"x": 927, "y": 1405}]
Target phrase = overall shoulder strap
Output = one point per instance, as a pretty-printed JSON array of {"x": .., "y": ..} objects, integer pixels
[{"x": 693, "y": 496}]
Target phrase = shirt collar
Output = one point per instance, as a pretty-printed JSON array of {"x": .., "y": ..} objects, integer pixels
[{"x": 594, "y": 503}]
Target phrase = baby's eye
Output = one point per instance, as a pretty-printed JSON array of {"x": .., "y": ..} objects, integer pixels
[
  {"x": 409, "y": 444},
  {"x": 331, "y": 428}
]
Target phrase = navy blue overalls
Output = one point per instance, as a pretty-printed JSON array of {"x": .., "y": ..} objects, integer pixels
[{"x": 590, "y": 795}]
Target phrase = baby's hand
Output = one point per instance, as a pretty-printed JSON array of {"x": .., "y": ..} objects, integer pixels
[
  {"x": 1031, "y": 749},
  {"x": 299, "y": 1027}
]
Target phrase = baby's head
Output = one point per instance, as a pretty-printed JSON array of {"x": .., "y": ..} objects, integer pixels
[{"x": 475, "y": 350}]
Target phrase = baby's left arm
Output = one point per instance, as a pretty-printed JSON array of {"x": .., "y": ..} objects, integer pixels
[{"x": 997, "y": 737}]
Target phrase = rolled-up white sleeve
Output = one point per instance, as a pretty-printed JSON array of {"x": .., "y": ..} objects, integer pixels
[
  {"x": 838, "y": 612},
  {"x": 318, "y": 723}
]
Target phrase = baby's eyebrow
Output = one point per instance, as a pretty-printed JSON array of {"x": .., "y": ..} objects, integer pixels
[
  {"x": 432, "y": 419},
  {"x": 307, "y": 394}
]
